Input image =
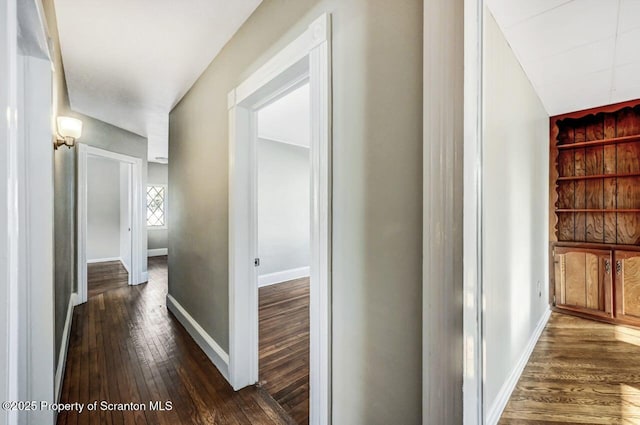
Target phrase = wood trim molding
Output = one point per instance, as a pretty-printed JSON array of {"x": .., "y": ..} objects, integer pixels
[
  {"x": 596, "y": 110},
  {"x": 64, "y": 346},
  {"x": 211, "y": 348},
  {"x": 495, "y": 411}
]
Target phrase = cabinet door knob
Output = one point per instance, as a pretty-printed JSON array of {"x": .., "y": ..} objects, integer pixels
[
  {"x": 607, "y": 266},
  {"x": 618, "y": 266}
]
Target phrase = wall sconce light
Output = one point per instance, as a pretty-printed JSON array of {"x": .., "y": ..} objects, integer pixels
[{"x": 69, "y": 129}]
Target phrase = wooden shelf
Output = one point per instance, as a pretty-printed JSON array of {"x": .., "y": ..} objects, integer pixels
[
  {"x": 599, "y": 176},
  {"x": 598, "y": 210},
  {"x": 612, "y": 141}
]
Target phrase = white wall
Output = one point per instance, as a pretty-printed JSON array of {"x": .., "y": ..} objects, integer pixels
[
  {"x": 288, "y": 119},
  {"x": 158, "y": 174},
  {"x": 283, "y": 207},
  {"x": 515, "y": 199},
  {"x": 103, "y": 206}
]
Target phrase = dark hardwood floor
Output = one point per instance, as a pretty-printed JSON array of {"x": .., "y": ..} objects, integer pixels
[
  {"x": 284, "y": 345},
  {"x": 126, "y": 347},
  {"x": 580, "y": 371},
  {"x": 102, "y": 277}
]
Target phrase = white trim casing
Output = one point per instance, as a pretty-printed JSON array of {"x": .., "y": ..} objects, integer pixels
[
  {"x": 283, "y": 276},
  {"x": 495, "y": 411},
  {"x": 211, "y": 348},
  {"x": 37, "y": 335},
  {"x": 64, "y": 347},
  {"x": 9, "y": 214},
  {"x": 308, "y": 57},
  {"x": 473, "y": 325},
  {"x": 104, "y": 260},
  {"x": 157, "y": 252},
  {"x": 137, "y": 274},
  {"x": 442, "y": 194}
]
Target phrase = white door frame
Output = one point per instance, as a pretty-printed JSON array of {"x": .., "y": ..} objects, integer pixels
[
  {"x": 136, "y": 274},
  {"x": 308, "y": 56},
  {"x": 473, "y": 293},
  {"x": 9, "y": 212}
]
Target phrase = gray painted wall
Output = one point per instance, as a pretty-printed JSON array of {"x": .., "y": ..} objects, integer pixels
[
  {"x": 95, "y": 133},
  {"x": 158, "y": 174},
  {"x": 283, "y": 206},
  {"x": 64, "y": 194},
  {"x": 515, "y": 205},
  {"x": 377, "y": 202},
  {"x": 103, "y": 208}
]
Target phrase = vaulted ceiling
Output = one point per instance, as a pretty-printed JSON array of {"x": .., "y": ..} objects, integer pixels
[
  {"x": 129, "y": 62},
  {"x": 578, "y": 54}
]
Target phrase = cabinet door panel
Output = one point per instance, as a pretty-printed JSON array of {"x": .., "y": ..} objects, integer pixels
[
  {"x": 575, "y": 278},
  {"x": 583, "y": 280},
  {"x": 593, "y": 282},
  {"x": 628, "y": 285}
]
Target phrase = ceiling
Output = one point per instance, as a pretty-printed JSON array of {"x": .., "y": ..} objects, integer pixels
[
  {"x": 578, "y": 54},
  {"x": 128, "y": 62},
  {"x": 288, "y": 119}
]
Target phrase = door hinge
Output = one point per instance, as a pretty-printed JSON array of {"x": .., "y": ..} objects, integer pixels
[{"x": 256, "y": 262}]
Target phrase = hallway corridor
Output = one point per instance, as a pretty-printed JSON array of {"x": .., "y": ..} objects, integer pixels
[
  {"x": 126, "y": 347},
  {"x": 581, "y": 371}
]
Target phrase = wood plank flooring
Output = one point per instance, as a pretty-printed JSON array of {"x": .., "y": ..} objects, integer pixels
[
  {"x": 580, "y": 372},
  {"x": 284, "y": 345},
  {"x": 102, "y": 277},
  {"x": 126, "y": 347}
]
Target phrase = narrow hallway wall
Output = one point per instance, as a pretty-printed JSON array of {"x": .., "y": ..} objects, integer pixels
[
  {"x": 377, "y": 203},
  {"x": 515, "y": 212}
]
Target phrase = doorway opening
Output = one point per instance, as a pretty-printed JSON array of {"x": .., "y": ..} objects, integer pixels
[
  {"x": 284, "y": 249},
  {"x": 110, "y": 221},
  {"x": 303, "y": 61},
  {"x": 108, "y": 224}
]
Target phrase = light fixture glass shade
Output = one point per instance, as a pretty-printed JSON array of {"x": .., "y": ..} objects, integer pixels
[{"x": 69, "y": 127}]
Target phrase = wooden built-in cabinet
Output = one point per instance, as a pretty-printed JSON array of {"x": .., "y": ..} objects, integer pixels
[
  {"x": 595, "y": 213},
  {"x": 627, "y": 275},
  {"x": 583, "y": 280}
]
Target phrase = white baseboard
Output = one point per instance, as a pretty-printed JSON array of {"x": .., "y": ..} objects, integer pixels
[
  {"x": 283, "y": 276},
  {"x": 157, "y": 252},
  {"x": 144, "y": 278},
  {"x": 64, "y": 346},
  {"x": 103, "y": 260},
  {"x": 502, "y": 399},
  {"x": 211, "y": 348}
]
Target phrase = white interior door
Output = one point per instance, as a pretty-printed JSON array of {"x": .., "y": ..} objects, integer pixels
[{"x": 125, "y": 216}]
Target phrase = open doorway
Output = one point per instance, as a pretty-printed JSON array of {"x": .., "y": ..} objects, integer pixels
[
  {"x": 110, "y": 221},
  {"x": 304, "y": 60},
  {"x": 284, "y": 249},
  {"x": 108, "y": 225}
]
